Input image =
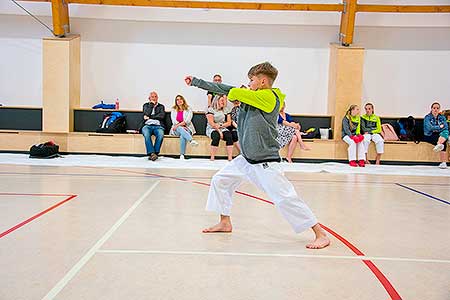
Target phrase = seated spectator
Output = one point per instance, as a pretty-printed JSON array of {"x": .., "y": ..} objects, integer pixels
[
  {"x": 219, "y": 119},
  {"x": 435, "y": 130},
  {"x": 154, "y": 114},
  {"x": 446, "y": 114},
  {"x": 351, "y": 128},
  {"x": 289, "y": 133},
  {"x": 233, "y": 128},
  {"x": 216, "y": 79},
  {"x": 182, "y": 126},
  {"x": 371, "y": 128}
]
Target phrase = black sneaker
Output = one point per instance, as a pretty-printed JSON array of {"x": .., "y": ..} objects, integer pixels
[{"x": 153, "y": 157}]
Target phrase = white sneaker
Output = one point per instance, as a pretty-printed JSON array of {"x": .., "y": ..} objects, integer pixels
[
  {"x": 182, "y": 157},
  {"x": 193, "y": 143},
  {"x": 438, "y": 148},
  {"x": 443, "y": 165}
]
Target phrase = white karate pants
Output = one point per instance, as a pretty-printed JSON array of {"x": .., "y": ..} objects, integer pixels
[
  {"x": 377, "y": 139},
  {"x": 268, "y": 177}
]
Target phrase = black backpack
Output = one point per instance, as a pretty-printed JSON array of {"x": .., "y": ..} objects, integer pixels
[
  {"x": 408, "y": 129},
  {"x": 114, "y": 122},
  {"x": 45, "y": 150}
]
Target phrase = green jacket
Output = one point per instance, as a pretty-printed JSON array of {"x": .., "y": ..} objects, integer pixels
[{"x": 370, "y": 124}]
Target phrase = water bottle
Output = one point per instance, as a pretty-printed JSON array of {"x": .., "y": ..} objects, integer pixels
[{"x": 117, "y": 103}]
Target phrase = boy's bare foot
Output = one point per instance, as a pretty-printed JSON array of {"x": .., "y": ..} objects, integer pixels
[
  {"x": 321, "y": 240},
  {"x": 319, "y": 243},
  {"x": 220, "y": 227}
]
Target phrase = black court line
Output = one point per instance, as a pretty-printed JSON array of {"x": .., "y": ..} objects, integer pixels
[{"x": 422, "y": 193}]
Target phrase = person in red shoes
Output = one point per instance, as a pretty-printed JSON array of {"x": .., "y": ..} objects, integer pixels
[{"x": 351, "y": 134}]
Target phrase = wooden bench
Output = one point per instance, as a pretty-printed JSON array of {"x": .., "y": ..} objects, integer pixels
[
  {"x": 83, "y": 142},
  {"x": 13, "y": 137}
]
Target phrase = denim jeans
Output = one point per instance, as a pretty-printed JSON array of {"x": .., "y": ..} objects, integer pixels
[
  {"x": 158, "y": 132},
  {"x": 185, "y": 136}
]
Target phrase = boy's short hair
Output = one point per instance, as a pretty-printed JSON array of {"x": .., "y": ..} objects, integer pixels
[{"x": 264, "y": 68}]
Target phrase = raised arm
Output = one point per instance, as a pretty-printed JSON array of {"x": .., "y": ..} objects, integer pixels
[{"x": 218, "y": 88}]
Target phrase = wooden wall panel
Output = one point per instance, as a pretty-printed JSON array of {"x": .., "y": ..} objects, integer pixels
[
  {"x": 61, "y": 82},
  {"x": 344, "y": 85}
]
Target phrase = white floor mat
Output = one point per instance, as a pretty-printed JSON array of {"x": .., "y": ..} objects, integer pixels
[{"x": 197, "y": 163}]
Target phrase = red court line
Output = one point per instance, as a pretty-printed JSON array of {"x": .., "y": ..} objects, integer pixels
[
  {"x": 380, "y": 276},
  {"x": 254, "y": 197},
  {"x": 372, "y": 267},
  {"x": 344, "y": 241},
  {"x": 383, "y": 280},
  {"x": 35, "y": 216}
]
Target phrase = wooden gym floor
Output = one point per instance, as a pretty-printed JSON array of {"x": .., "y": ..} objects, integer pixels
[{"x": 116, "y": 233}]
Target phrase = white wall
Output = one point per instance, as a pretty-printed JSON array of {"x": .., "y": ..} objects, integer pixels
[
  {"x": 128, "y": 51},
  {"x": 130, "y": 71},
  {"x": 406, "y": 82},
  {"x": 20, "y": 71},
  {"x": 162, "y": 54},
  {"x": 128, "y": 59}
]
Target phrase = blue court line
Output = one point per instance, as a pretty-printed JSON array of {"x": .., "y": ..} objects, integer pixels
[{"x": 422, "y": 193}]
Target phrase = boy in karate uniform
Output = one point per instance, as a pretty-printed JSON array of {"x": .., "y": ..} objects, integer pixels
[{"x": 259, "y": 161}]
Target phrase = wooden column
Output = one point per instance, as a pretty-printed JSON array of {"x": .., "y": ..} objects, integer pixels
[
  {"x": 61, "y": 82},
  {"x": 344, "y": 84}
]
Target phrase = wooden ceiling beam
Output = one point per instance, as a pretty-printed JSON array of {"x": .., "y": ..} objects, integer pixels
[
  {"x": 60, "y": 15},
  {"x": 374, "y": 8},
  {"x": 347, "y": 27},
  {"x": 212, "y": 4}
]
